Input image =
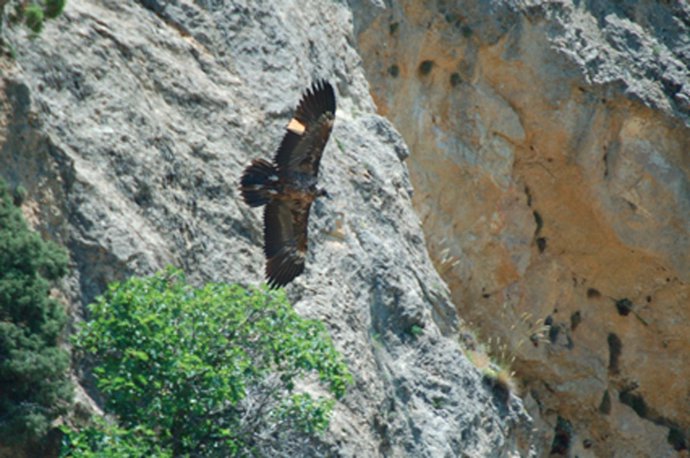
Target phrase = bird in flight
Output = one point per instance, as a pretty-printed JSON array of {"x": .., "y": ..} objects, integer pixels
[{"x": 287, "y": 186}]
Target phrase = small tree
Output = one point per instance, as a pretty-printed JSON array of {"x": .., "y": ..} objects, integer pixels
[
  {"x": 34, "y": 387},
  {"x": 213, "y": 371}
]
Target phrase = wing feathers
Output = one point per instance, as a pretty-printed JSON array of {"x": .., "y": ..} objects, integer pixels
[
  {"x": 318, "y": 99},
  {"x": 278, "y": 229},
  {"x": 284, "y": 267},
  {"x": 301, "y": 141},
  {"x": 287, "y": 146},
  {"x": 285, "y": 236}
]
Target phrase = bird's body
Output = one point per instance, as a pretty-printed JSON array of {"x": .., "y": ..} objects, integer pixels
[{"x": 287, "y": 187}]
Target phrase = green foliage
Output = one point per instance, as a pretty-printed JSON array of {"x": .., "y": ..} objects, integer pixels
[
  {"x": 211, "y": 370},
  {"x": 106, "y": 440},
  {"x": 340, "y": 145},
  {"x": 32, "y": 13},
  {"x": 34, "y": 387},
  {"x": 416, "y": 330},
  {"x": 33, "y": 17},
  {"x": 307, "y": 414},
  {"x": 53, "y": 8},
  {"x": 19, "y": 195}
]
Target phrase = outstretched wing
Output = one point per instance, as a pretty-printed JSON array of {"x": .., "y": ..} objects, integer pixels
[
  {"x": 308, "y": 131},
  {"x": 285, "y": 236}
]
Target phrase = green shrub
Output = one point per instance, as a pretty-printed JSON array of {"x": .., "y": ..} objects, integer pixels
[
  {"x": 33, "y": 17},
  {"x": 106, "y": 440},
  {"x": 53, "y": 8},
  {"x": 32, "y": 13},
  {"x": 19, "y": 195},
  {"x": 34, "y": 387},
  {"x": 212, "y": 370}
]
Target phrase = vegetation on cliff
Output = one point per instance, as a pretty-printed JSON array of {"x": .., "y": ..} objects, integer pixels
[
  {"x": 208, "y": 371},
  {"x": 34, "y": 385},
  {"x": 31, "y": 13}
]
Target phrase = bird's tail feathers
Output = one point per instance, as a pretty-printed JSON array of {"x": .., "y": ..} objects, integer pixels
[{"x": 257, "y": 181}]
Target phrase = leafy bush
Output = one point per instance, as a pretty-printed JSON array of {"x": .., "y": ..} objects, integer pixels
[
  {"x": 106, "y": 440},
  {"x": 33, "y": 18},
  {"x": 54, "y": 8},
  {"x": 33, "y": 12},
  {"x": 34, "y": 387},
  {"x": 213, "y": 370}
]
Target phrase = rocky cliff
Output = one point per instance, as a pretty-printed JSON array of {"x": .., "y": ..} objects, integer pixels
[
  {"x": 542, "y": 159},
  {"x": 129, "y": 124},
  {"x": 550, "y": 157}
]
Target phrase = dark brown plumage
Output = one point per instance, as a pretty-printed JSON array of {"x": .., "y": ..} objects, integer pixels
[{"x": 287, "y": 187}]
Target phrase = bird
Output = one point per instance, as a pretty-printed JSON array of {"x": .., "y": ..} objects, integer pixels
[{"x": 287, "y": 186}]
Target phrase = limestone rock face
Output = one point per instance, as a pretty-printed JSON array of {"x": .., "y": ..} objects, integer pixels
[
  {"x": 550, "y": 157},
  {"x": 129, "y": 124}
]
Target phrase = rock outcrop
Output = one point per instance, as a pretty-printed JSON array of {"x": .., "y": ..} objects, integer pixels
[
  {"x": 550, "y": 157},
  {"x": 129, "y": 124}
]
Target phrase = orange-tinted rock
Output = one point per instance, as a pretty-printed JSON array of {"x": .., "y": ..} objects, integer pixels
[{"x": 547, "y": 164}]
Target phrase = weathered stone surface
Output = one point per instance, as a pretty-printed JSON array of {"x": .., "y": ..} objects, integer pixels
[
  {"x": 129, "y": 124},
  {"x": 550, "y": 156}
]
